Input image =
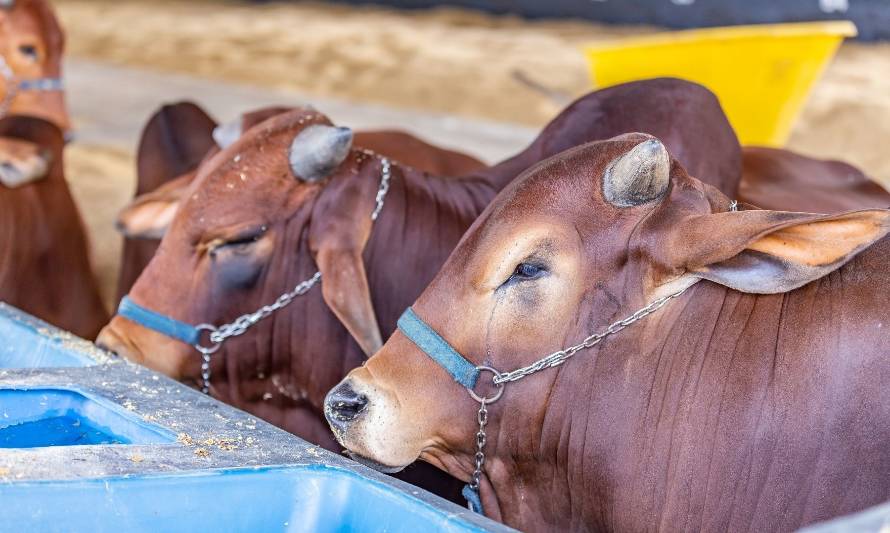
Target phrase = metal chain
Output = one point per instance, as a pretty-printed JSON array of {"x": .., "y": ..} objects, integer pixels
[
  {"x": 482, "y": 418},
  {"x": 245, "y": 322},
  {"x": 560, "y": 357},
  {"x": 385, "y": 176},
  {"x": 240, "y": 325},
  {"x": 205, "y": 372}
]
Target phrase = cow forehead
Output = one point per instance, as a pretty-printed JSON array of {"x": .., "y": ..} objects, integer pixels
[
  {"x": 20, "y": 22},
  {"x": 253, "y": 174},
  {"x": 569, "y": 181},
  {"x": 557, "y": 201}
]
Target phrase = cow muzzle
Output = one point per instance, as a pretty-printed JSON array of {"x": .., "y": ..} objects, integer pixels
[
  {"x": 368, "y": 421},
  {"x": 343, "y": 404},
  {"x": 125, "y": 340},
  {"x": 112, "y": 341}
]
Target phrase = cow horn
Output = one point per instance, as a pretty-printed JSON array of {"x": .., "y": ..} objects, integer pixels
[
  {"x": 639, "y": 176},
  {"x": 226, "y": 134},
  {"x": 317, "y": 150}
]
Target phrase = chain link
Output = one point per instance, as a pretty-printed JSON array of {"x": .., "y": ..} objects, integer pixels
[
  {"x": 240, "y": 325},
  {"x": 244, "y": 322},
  {"x": 205, "y": 372},
  {"x": 560, "y": 357},
  {"x": 482, "y": 418},
  {"x": 385, "y": 175}
]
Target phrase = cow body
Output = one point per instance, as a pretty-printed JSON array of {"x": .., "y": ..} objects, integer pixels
[
  {"x": 781, "y": 179},
  {"x": 753, "y": 413},
  {"x": 749, "y": 413},
  {"x": 755, "y": 400},
  {"x": 44, "y": 262}
]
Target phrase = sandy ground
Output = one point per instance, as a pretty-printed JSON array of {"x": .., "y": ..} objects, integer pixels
[
  {"x": 102, "y": 180},
  {"x": 445, "y": 60}
]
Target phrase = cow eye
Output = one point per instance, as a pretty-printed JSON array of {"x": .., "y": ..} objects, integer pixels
[
  {"x": 526, "y": 272},
  {"x": 240, "y": 242},
  {"x": 29, "y": 51}
]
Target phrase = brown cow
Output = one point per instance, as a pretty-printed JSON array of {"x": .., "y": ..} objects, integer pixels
[
  {"x": 781, "y": 179},
  {"x": 31, "y": 46},
  {"x": 179, "y": 136},
  {"x": 237, "y": 243},
  {"x": 756, "y": 400},
  {"x": 44, "y": 263}
]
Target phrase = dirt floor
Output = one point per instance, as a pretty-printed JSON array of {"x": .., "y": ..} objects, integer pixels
[
  {"x": 102, "y": 180},
  {"x": 445, "y": 60}
]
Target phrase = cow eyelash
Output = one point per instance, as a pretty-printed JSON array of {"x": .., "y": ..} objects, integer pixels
[
  {"x": 247, "y": 238},
  {"x": 526, "y": 271},
  {"x": 241, "y": 240}
]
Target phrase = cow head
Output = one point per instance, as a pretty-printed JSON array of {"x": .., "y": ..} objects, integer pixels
[
  {"x": 240, "y": 233},
  {"x": 31, "y": 44},
  {"x": 578, "y": 241}
]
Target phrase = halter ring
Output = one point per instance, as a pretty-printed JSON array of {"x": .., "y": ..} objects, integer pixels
[
  {"x": 207, "y": 350},
  {"x": 498, "y": 386}
]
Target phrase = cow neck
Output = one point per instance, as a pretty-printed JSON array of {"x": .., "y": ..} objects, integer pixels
[
  {"x": 424, "y": 219},
  {"x": 42, "y": 228},
  {"x": 718, "y": 364}
]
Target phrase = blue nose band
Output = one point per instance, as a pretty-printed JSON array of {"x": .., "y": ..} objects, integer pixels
[
  {"x": 438, "y": 349},
  {"x": 166, "y": 325},
  {"x": 457, "y": 366}
]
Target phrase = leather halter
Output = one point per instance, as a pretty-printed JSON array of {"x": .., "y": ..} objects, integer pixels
[
  {"x": 14, "y": 85},
  {"x": 163, "y": 324}
]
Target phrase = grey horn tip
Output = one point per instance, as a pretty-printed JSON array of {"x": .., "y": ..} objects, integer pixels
[
  {"x": 318, "y": 150},
  {"x": 639, "y": 176}
]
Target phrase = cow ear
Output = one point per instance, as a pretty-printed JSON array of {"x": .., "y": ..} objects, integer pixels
[
  {"x": 768, "y": 252},
  {"x": 149, "y": 215},
  {"x": 339, "y": 233},
  {"x": 174, "y": 141}
]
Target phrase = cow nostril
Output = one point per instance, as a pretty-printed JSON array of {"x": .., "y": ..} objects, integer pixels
[
  {"x": 343, "y": 404},
  {"x": 102, "y": 345},
  {"x": 108, "y": 341}
]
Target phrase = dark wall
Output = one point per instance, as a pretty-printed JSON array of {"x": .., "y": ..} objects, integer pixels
[{"x": 871, "y": 16}]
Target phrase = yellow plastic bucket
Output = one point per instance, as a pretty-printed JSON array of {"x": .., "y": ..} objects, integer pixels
[{"x": 762, "y": 74}]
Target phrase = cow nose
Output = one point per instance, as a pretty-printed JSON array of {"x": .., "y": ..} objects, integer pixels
[
  {"x": 109, "y": 341},
  {"x": 343, "y": 405}
]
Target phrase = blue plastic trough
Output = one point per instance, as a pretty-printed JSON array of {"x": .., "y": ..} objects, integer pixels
[
  {"x": 89, "y": 443},
  {"x": 41, "y": 417},
  {"x": 26, "y": 342},
  {"x": 311, "y": 498}
]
